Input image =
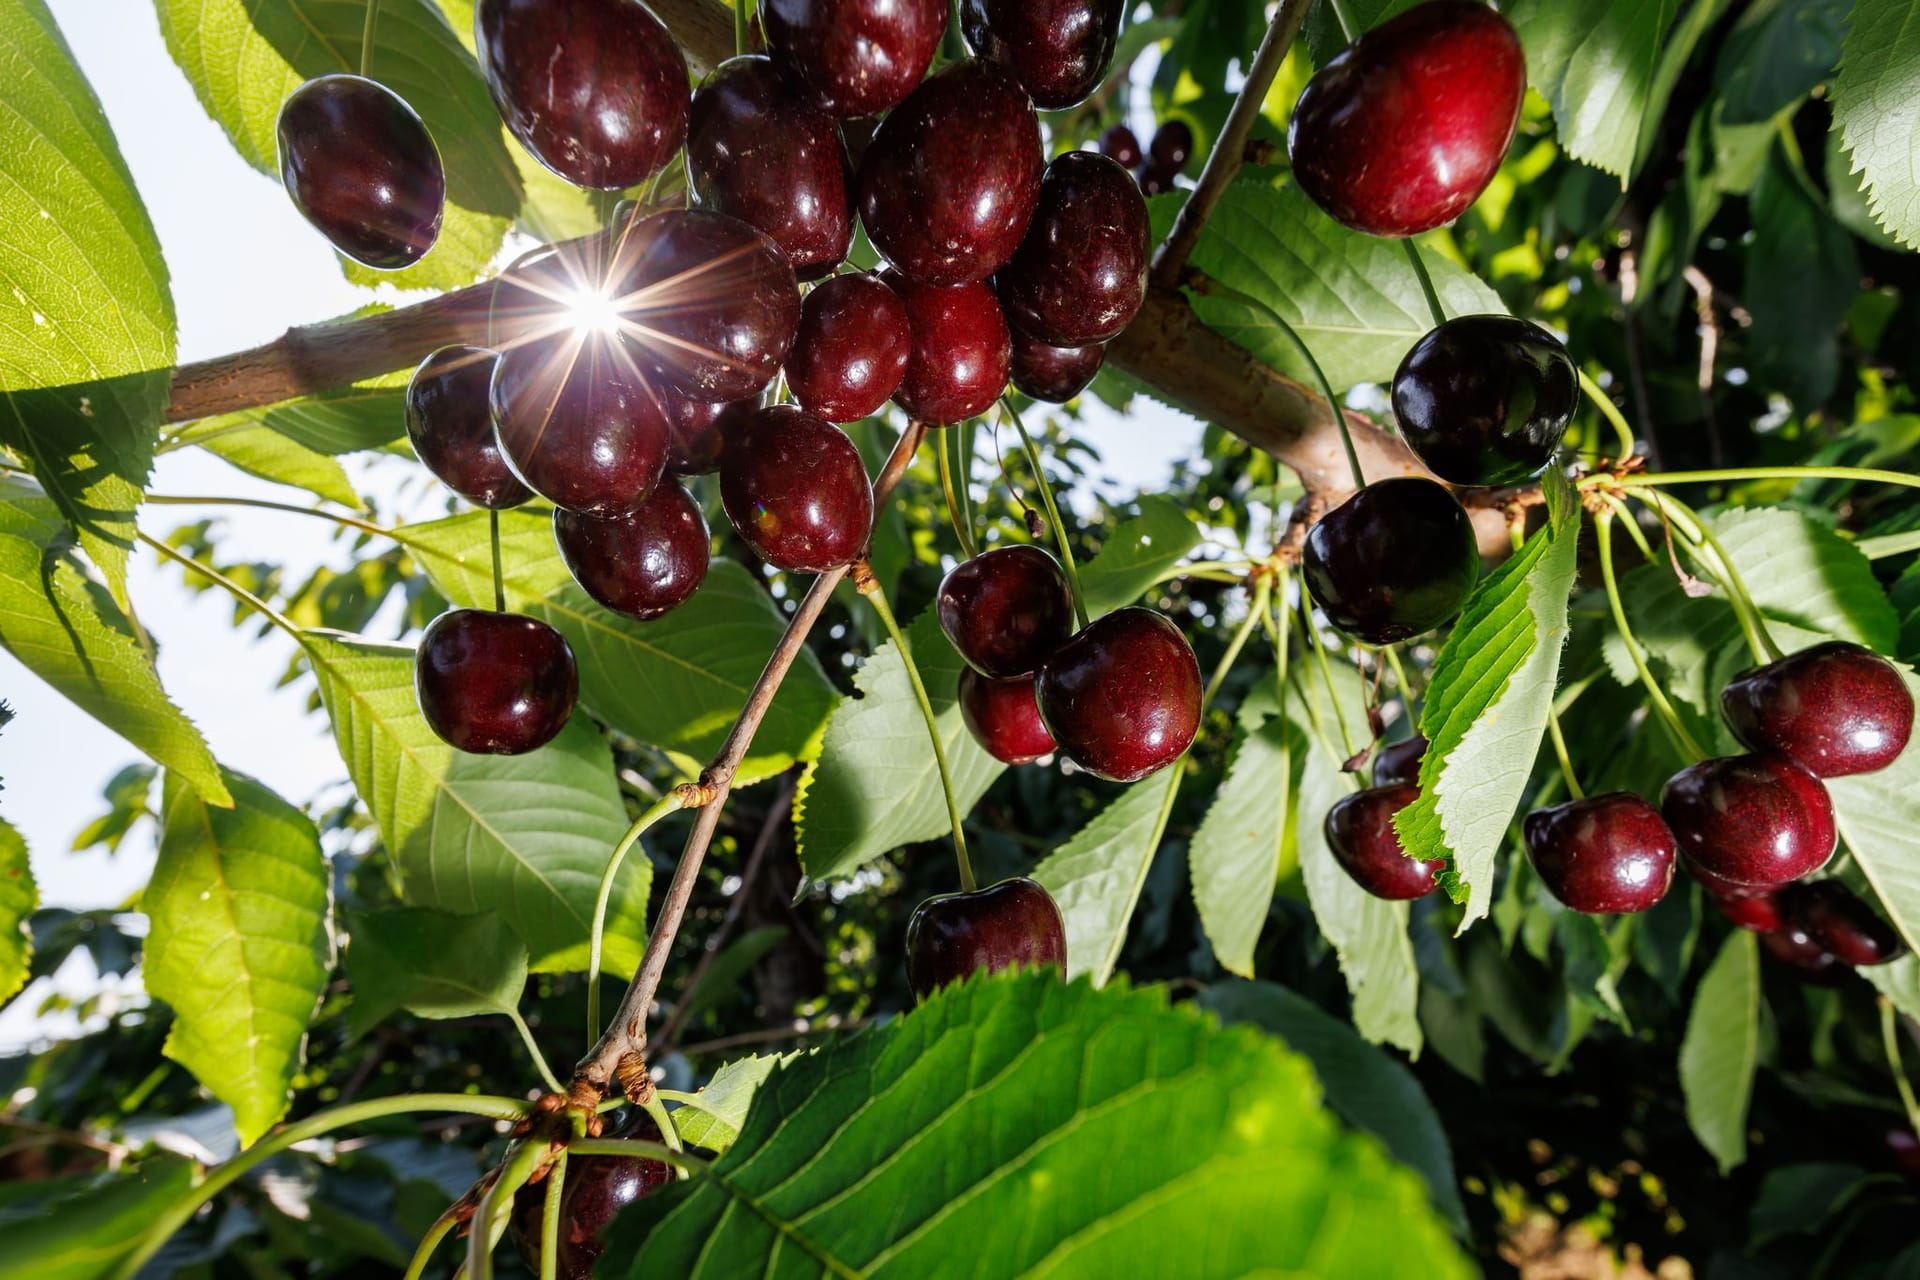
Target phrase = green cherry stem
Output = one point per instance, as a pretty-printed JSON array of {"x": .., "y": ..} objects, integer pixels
[
  {"x": 656, "y": 1107},
  {"x": 1603, "y": 526},
  {"x": 499, "y": 578},
  {"x": 1734, "y": 475},
  {"x": 629, "y": 1147},
  {"x": 423, "y": 1252},
  {"x": 740, "y": 27},
  {"x": 232, "y": 588},
  {"x": 1890, "y": 1038},
  {"x": 956, "y": 516},
  {"x": 264, "y": 504},
  {"x": 366, "y": 36},
  {"x": 675, "y": 800},
  {"x": 550, "y": 1218},
  {"x": 1420, "y": 273},
  {"x": 1701, "y": 538},
  {"x": 1399, "y": 674},
  {"x": 496, "y": 1206},
  {"x": 1053, "y": 511},
  {"x": 1326, "y": 677},
  {"x": 533, "y": 1051},
  {"x": 1560, "y": 753},
  {"x": 1256, "y": 609},
  {"x": 1348, "y": 31},
  {"x": 1611, "y": 412}
]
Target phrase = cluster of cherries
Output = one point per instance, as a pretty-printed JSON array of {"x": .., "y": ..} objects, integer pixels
[{"x": 1164, "y": 159}]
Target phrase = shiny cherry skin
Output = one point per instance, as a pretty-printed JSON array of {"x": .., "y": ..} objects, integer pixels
[
  {"x": 962, "y": 352},
  {"x": 1171, "y": 147},
  {"x": 643, "y": 563},
  {"x": 1405, "y": 127},
  {"x": 759, "y": 150},
  {"x": 360, "y": 166},
  {"x": 1120, "y": 145},
  {"x": 1392, "y": 562},
  {"x": 1795, "y": 949},
  {"x": 1755, "y": 820},
  {"x": 1359, "y": 830},
  {"x": 1006, "y": 610},
  {"x": 1904, "y": 1146},
  {"x": 451, "y": 427},
  {"x": 950, "y": 180},
  {"x": 1840, "y": 923},
  {"x": 1004, "y": 718},
  {"x": 854, "y": 57},
  {"x": 1485, "y": 400},
  {"x": 1122, "y": 698},
  {"x": 1752, "y": 907},
  {"x": 697, "y": 431},
  {"x": 1399, "y": 762},
  {"x": 595, "y": 89},
  {"x": 1054, "y": 374},
  {"x": 1010, "y": 925},
  {"x": 1058, "y": 49},
  {"x": 1157, "y": 179},
  {"x": 578, "y": 426},
  {"x": 796, "y": 491},
  {"x": 850, "y": 354},
  {"x": 1834, "y": 709},
  {"x": 494, "y": 683},
  {"x": 1606, "y": 855},
  {"x": 597, "y": 1188},
  {"x": 1081, "y": 273}
]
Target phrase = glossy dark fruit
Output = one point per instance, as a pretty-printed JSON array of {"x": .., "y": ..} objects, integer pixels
[
  {"x": 1119, "y": 144},
  {"x": 796, "y": 490},
  {"x": 854, "y": 57},
  {"x": 1122, "y": 698},
  {"x": 761, "y": 151},
  {"x": 697, "y": 431},
  {"x": 1405, "y": 127},
  {"x": 962, "y": 353},
  {"x": 1059, "y": 49},
  {"x": 1081, "y": 273},
  {"x": 1754, "y": 907},
  {"x": 1394, "y": 561},
  {"x": 579, "y": 425},
  {"x": 1399, "y": 762},
  {"x": 1834, "y": 709},
  {"x": 1755, "y": 820},
  {"x": 1009, "y": 925},
  {"x": 494, "y": 683},
  {"x": 1795, "y": 949},
  {"x": 361, "y": 167},
  {"x": 1157, "y": 179},
  {"x": 1054, "y": 374},
  {"x": 851, "y": 351},
  {"x": 1172, "y": 146},
  {"x": 1607, "y": 855},
  {"x": 597, "y": 1188},
  {"x": 1485, "y": 400},
  {"x": 1830, "y": 914},
  {"x": 1006, "y": 610},
  {"x": 950, "y": 180},
  {"x": 1904, "y": 1146},
  {"x": 644, "y": 562},
  {"x": 1004, "y": 718},
  {"x": 451, "y": 427},
  {"x": 1359, "y": 830},
  {"x": 595, "y": 89}
]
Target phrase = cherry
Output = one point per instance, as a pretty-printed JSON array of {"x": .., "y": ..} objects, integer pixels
[
  {"x": 697, "y": 431},
  {"x": 1360, "y": 833},
  {"x": 1171, "y": 148},
  {"x": 950, "y": 180},
  {"x": 851, "y": 350},
  {"x": 1119, "y": 143},
  {"x": 578, "y": 426},
  {"x": 1840, "y": 923},
  {"x": 361, "y": 167},
  {"x": 1406, "y": 126},
  {"x": 451, "y": 427},
  {"x": 494, "y": 683},
  {"x": 855, "y": 57},
  {"x": 1751, "y": 907},
  {"x": 1904, "y": 1146},
  {"x": 796, "y": 490},
  {"x": 1399, "y": 762},
  {"x": 643, "y": 562},
  {"x": 1485, "y": 400},
  {"x": 1007, "y": 610},
  {"x": 1156, "y": 179},
  {"x": 1122, "y": 698},
  {"x": 1754, "y": 820},
  {"x": 597, "y": 1188},
  {"x": 1081, "y": 273},
  {"x": 1059, "y": 49},
  {"x": 1004, "y": 718},
  {"x": 1054, "y": 374},
  {"x": 595, "y": 89},
  {"x": 1608, "y": 855},
  {"x": 1394, "y": 561},
  {"x": 759, "y": 150},
  {"x": 1834, "y": 709},
  {"x": 1012, "y": 924},
  {"x": 1792, "y": 947},
  {"x": 962, "y": 353}
]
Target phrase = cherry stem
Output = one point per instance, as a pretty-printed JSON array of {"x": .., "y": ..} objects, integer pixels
[
  {"x": 1699, "y": 537},
  {"x": 1400, "y": 675},
  {"x": 739, "y": 28},
  {"x": 366, "y": 36},
  {"x": 238, "y": 592},
  {"x": 955, "y": 515},
  {"x": 1733, "y": 475},
  {"x": 499, "y": 579},
  {"x": 533, "y": 1050},
  {"x": 1256, "y": 609},
  {"x": 550, "y": 1218},
  {"x": 496, "y": 1206},
  {"x": 1348, "y": 31},
  {"x": 1611, "y": 412},
  {"x": 423, "y": 1252},
  {"x": 1318, "y": 643},
  {"x": 1890, "y": 1037},
  {"x": 264, "y": 504},
  {"x": 1419, "y": 266},
  {"x": 674, "y": 801},
  {"x": 663, "y": 1119},
  {"x": 1560, "y": 752},
  {"x": 1053, "y": 511},
  {"x": 630, "y": 1147},
  {"x": 1603, "y": 526}
]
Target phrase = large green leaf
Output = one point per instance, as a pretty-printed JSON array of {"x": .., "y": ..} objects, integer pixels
[
  {"x": 1876, "y": 107},
  {"x": 1096, "y": 877},
  {"x": 1803, "y": 273},
  {"x": 432, "y": 964},
  {"x": 1246, "y": 841},
  {"x": 265, "y": 453},
  {"x": 1776, "y": 52},
  {"x": 1020, "y": 1126},
  {"x": 239, "y": 945},
  {"x": 19, "y": 898},
  {"x": 1595, "y": 62},
  {"x": 92, "y": 1224},
  {"x": 366, "y": 415},
  {"x": 1878, "y": 814},
  {"x": 1722, "y": 1049},
  {"x": 1136, "y": 553},
  {"x": 715, "y": 1116}
]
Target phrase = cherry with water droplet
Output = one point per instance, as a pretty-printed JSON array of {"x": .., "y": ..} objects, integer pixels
[
  {"x": 1122, "y": 698},
  {"x": 360, "y": 166},
  {"x": 1010, "y": 925},
  {"x": 494, "y": 683}
]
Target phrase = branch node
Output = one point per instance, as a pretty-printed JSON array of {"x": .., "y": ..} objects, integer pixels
[{"x": 635, "y": 1080}]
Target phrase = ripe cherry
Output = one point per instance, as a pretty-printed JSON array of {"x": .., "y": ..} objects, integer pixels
[
  {"x": 578, "y": 425},
  {"x": 361, "y": 167},
  {"x": 962, "y": 353},
  {"x": 1059, "y": 49},
  {"x": 1004, "y": 718},
  {"x": 1404, "y": 128},
  {"x": 697, "y": 431},
  {"x": 643, "y": 562},
  {"x": 1054, "y": 374},
  {"x": 597, "y": 1188},
  {"x": 451, "y": 427},
  {"x": 1394, "y": 561},
  {"x": 1119, "y": 144},
  {"x": 1122, "y": 698},
  {"x": 1007, "y": 610},
  {"x": 1794, "y": 948},
  {"x": 1399, "y": 762},
  {"x": 796, "y": 490},
  {"x": 1172, "y": 147},
  {"x": 1009, "y": 925},
  {"x": 851, "y": 350},
  {"x": 494, "y": 683},
  {"x": 1904, "y": 1146},
  {"x": 855, "y": 57},
  {"x": 1156, "y": 179},
  {"x": 1081, "y": 273},
  {"x": 1751, "y": 907},
  {"x": 595, "y": 89},
  {"x": 1485, "y": 400},
  {"x": 1834, "y": 709},
  {"x": 1605, "y": 855},
  {"x": 1755, "y": 820},
  {"x": 1360, "y": 833},
  {"x": 1840, "y": 923}
]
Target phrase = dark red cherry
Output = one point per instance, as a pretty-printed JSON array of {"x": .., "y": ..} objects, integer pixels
[
  {"x": 1121, "y": 146},
  {"x": 1485, "y": 400},
  {"x": 1405, "y": 127},
  {"x": 1392, "y": 562},
  {"x": 1834, "y": 709},
  {"x": 1156, "y": 179},
  {"x": 361, "y": 167},
  {"x": 1399, "y": 762},
  {"x": 1754, "y": 820},
  {"x": 1059, "y": 49},
  {"x": 1832, "y": 916},
  {"x": 851, "y": 351},
  {"x": 1054, "y": 374},
  {"x": 1007, "y": 610},
  {"x": 494, "y": 683},
  {"x": 1122, "y": 698},
  {"x": 579, "y": 426},
  {"x": 1172, "y": 147},
  {"x": 796, "y": 490},
  {"x": 1360, "y": 833},
  {"x": 962, "y": 353},
  {"x": 855, "y": 57},
  {"x": 595, "y": 89},
  {"x": 451, "y": 427},
  {"x": 1904, "y": 1146},
  {"x": 697, "y": 431},
  {"x": 950, "y": 180},
  {"x": 1004, "y": 718},
  {"x": 597, "y": 1188},
  {"x": 1010, "y": 925},
  {"x": 1605, "y": 855},
  {"x": 1751, "y": 907},
  {"x": 1081, "y": 273},
  {"x": 643, "y": 562},
  {"x": 1794, "y": 948},
  {"x": 759, "y": 150}
]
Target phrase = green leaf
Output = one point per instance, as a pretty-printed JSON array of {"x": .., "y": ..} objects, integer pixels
[
  {"x": 239, "y": 945},
  {"x": 1878, "y": 814},
  {"x": 717, "y": 1114},
  {"x": 1322, "y": 27},
  {"x": 1020, "y": 1126},
  {"x": 1800, "y": 1199},
  {"x": 82, "y": 1233},
  {"x": 1898, "y": 982},
  {"x": 1245, "y": 843},
  {"x": 1803, "y": 273},
  {"x": 1096, "y": 877},
  {"x": 1595, "y": 62},
  {"x": 366, "y": 415},
  {"x": 278, "y": 459},
  {"x": 1138, "y": 551},
  {"x": 1722, "y": 1049},
  {"x": 1776, "y": 53},
  {"x": 432, "y": 964},
  {"x": 19, "y": 899},
  {"x": 1876, "y": 107}
]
